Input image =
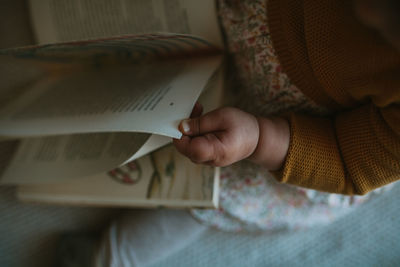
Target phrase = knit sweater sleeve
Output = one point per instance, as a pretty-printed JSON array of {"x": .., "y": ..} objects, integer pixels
[{"x": 351, "y": 153}]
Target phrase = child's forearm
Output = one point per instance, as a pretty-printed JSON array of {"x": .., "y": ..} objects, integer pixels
[{"x": 273, "y": 143}]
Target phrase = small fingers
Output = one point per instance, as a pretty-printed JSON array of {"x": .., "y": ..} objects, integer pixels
[
  {"x": 182, "y": 144},
  {"x": 200, "y": 149}
]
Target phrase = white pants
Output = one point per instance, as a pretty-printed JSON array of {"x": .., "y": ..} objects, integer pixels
[{"x": 143, "y": 237}]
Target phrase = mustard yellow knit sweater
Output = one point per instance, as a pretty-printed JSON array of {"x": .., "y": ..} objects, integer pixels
[{"x": 339, "y": 63}]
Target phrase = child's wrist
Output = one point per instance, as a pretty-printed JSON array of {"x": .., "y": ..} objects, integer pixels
[{"x": 273, "y": 143}]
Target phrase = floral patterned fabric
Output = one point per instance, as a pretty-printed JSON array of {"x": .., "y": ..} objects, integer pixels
[{"x": 250, "y": 198}]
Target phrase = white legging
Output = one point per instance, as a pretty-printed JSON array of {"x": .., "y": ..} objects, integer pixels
[{"x": 143, "y": 237}]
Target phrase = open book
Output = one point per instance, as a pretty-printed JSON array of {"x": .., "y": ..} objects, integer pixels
[{"x": 75, "y": 115}]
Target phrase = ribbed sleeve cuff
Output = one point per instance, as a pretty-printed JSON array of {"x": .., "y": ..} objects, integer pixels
[
  {"x": 313, "y": 159},
  {"x": 370, "y": 147}
]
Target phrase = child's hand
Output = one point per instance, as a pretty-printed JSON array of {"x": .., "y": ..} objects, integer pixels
[
  {"x": 227, "y": 135},
  {"x": 219, "y": 138}
]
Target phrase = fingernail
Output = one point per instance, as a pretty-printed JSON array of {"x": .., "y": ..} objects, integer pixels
[{"x": 185, "y": 126}]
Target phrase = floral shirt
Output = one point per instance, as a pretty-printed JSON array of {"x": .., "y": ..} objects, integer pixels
[{"x": 250, "y": 198}]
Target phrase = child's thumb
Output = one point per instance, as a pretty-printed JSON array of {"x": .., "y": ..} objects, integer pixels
[{"x": 209, "y": 122}]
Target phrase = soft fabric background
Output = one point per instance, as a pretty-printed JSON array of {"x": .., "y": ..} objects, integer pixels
[
  {"x": 370, "y": 236},
  {"x": 29, "y": 233}
]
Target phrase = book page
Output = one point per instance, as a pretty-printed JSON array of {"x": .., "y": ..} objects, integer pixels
[
  {"x": 17, "y": 78},
  {"x": 154, "y": 142},
  {"x": 49, "y": 160},
  {"x": 56, "y": 21},
  {"x": 65, "y": 157},
  {"x": 151, "y": 180},
  {"x": 97, "y": 53},
  {"x": 148, "y": 98},
  {"x": 89, "y": 100}
]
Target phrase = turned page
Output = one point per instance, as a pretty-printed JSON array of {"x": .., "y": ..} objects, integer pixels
[
  {"x": 92, "y": 110},
  {"x": 149, "y": 98},
  {"x": 54, "y": 159},
  {"x": 95, "y": 98},
  {"x": 57, "y": 21}
]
